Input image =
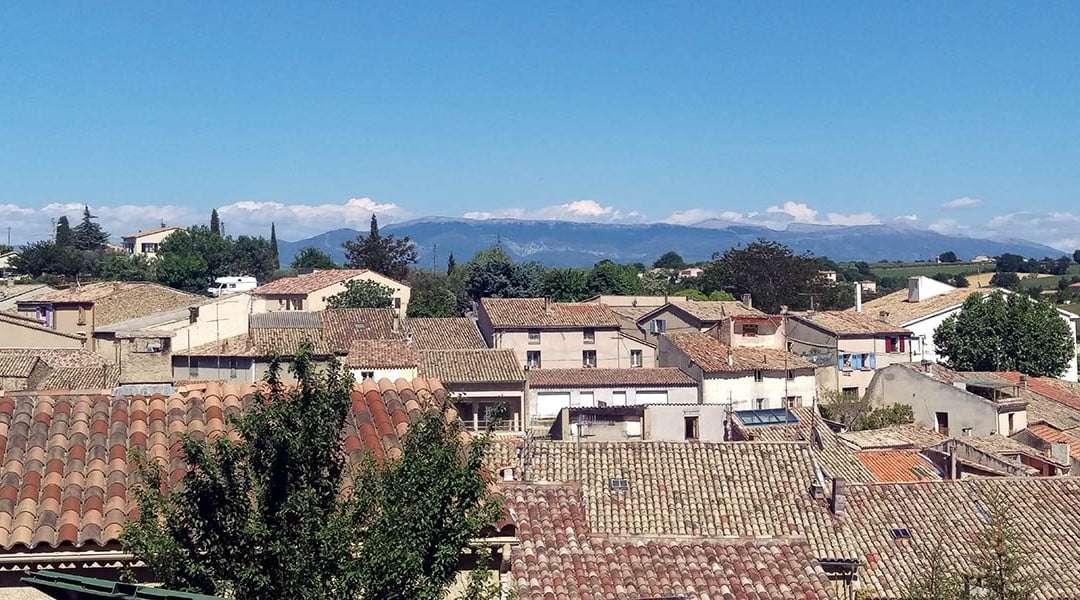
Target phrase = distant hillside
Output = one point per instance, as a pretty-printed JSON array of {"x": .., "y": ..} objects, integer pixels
[{"x": 561, "y": 243}]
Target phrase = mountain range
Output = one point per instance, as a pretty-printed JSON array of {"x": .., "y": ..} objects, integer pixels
[{"x": 565, "y": 243}]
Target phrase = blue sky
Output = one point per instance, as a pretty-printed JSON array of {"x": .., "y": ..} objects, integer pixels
[{"x": 960, "y": 117}]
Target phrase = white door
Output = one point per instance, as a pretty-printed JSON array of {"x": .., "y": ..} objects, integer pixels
[
  {"x": 618, "y": 398},
  {"x": 548, "y": 404},
  {"x": 586, "y": 399},
  {"x": 651, "y": 397}
]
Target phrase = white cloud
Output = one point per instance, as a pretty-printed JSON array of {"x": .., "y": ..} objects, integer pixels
[
  {"x": 297, "y": 221},
  {"x": 906, "y": 219},
  {"x": 1059, "y": 230},
  {"x": 963, "y": 202},
  {"x": 947, "y": 226},
  {"x": 586, "y": 211},
  {"x": 773, "y": 217},
  {"x": 692, "y": 216}
]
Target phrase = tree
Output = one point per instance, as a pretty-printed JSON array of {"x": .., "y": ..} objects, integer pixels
[
  {"x": 274, "y": 247},
  {"x": 383, "y": 254},
  {"x": 669, "y": 260},
  {"x": 999, "y": 333},
  {"x": 435, "y": 295},
  {"x": 451, "y": 264},
  {"x": 362, "y": 293},
  {"x": 858, "y": 414},
  {"x": 215, "y": 222},
  {"x": 88, "y": 234},
  {"x": 252, "y": 256},
  {"x": 493, "y": 274},
  {"x": 1076, "y": 256},
  {"x": 1010, "y": 263},
  {"x": 948, "y": 257},
  {"x": 767, "y": 270},
  {"x": 47, "y": 258},
  {"x": 564, "y": 285},
  {"x": 64, "y": 235},
  {"x": 191, "y": 259},
  {"x": 960, "y": 281},
  {"x": 121, "y": 266},
  {"x": 313, "y": 258},
  {"x": 1009, "y": 281},
  {"x": 607, "y": 277},
  {"x": 274, "y": 513}
]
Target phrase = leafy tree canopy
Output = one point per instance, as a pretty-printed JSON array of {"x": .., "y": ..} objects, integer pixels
[
  {"x": 47, "y": 258},
  {"x": 670, "y": 260},
  {"x": 362, "y": 293},
  {"x": 215, "y": 222},
  {"x": 313, "y": 258},
  {"x": 64, "y": 235},
  {"x": 1013, "y": 333},
  {"x": 1076, "y": 256},
  {"x": 121, "y": 266},
  {"x": 252, "y": 256},
  {"x": 607, "y": 277},
  {"x": 436, "y": 295},
  {"x": 769, "y": 272},
  {"x": 948, "y": 257},
  {"x": 493, "y": 274},
  {"x": 88, "y": 234},
  {"x": 383, "y": 254},
  {"x": 565, "y": 285},
  {"x": 1009, "y": 281},
  {"x": 275, "y": 515},
  {"x": 191, "y": 259}
]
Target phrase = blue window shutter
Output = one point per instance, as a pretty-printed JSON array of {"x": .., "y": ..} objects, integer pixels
[
  {"x": 856, "y": 361},
  {"x": 873, "y": 361},
  {"x": 839, "y": 361}
]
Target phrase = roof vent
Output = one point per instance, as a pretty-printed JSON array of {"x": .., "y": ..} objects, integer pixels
[
  {"x": 360, "y": 326},
  {"x": 619, "y": 485},
  {"x": 900, "y": 533}
]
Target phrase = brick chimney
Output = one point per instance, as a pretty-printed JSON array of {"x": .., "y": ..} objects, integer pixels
[{"x": 838, "y": 502}]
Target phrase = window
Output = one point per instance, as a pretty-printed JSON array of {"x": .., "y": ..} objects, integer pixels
[
  {"x": 759, "y": 403},
  {"x": 791, "y": 374},
  {"x": 894, "y": 344},
  {"x": 619, "y": 484},
  {"x": 532, "y": 359},
  {"x": 193, "y": 368},
  {"x": 82, "y": 315},
  {"x": 690, "y": 427},
  {"x": 845, "y": 362},
  {"x": 397, "y": 302},
  {"x": 588, "y": 358},
  {"x": 793, "y": 401},
  {"x": 850, "y": 392},
  {"x": 589, "y": 336},
  {"x": 900, "y": 533},
  {"x": 658, "y": 326},
  {"x": 1012, "y": 425},
  {"x": 367, "y": 375},
  {"x": 759, "y": 375},
  {"x": 749, "y": 329},
  {"x": 534, "y": 336},
  {"x": 232, "y": 368},
  {"x": 942, "y": 420},
  {"x": 292, "y": 303},
  {"x": 636, "y": 359},
  {"x": 149, "y": 248}
]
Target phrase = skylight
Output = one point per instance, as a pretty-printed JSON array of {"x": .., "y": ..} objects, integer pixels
[
  {"x": 619, "y": 484},
  {"x": 900, "y": 533},
  {"x": 768, "y": 416}
]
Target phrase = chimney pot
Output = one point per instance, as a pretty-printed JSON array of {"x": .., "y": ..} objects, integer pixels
[
  {"x": 748, "y": 301},
  {"x": 839, "y": 497},
  {"x": 858, "y": 297},
  {"x": 1023, "y": 381}
]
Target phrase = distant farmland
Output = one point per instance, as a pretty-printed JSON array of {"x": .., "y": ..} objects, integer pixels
[{"x": 930, "y": 269}]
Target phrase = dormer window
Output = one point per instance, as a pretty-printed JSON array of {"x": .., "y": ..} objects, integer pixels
[
  {"x": 589, "y": 336},
  {"x": 534, "y": 336}
]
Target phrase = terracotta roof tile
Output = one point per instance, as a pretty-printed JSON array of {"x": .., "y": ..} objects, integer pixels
[
  {"x": 308, "y": 283},
  {"x": 1065, "y": 392},
  {"x": 561, "y": 557},
  {"x": 122, "y": 301},
  {"x": 663, "y": 376},
  {"x": 472, "y": 366},
  {"x": 842, "y": 322},
  {"x": 717, "y": 310},
  {"x": 150, "y": 231},
  {"x": 509, "y": 313},
  {"x": 712, "y": 356},
  {"x": 58, "y": 358},
  {"x": 901, "y": 312},
  {"x": 21, "y": 321},
  {"x": 898, "y": 465},
  {"x": 897, "y": 436},
  {"x": 67, "y": 454},
  {"x": 17, "y": 365},
  {"x": 1051, "y": 434},
  {"x": 382, "y": 354},
  {"x": 450, "y": 333},
  {"x": 81, "y": 378}
]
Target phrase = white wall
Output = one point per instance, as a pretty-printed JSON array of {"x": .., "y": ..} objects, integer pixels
[
  {"x": 742, "y": 391},
  {"x": 579, "y": 396},
  {"x": 562, "y": 349},
  {"x": 220, "y": 319},
  {"x": 408, "y": 373}
]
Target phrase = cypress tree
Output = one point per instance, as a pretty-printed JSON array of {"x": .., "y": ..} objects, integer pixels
[
  {"x": 451, "y": 264},
  {"x": 88, "y": 234},
  {"x": 215, "y": 222},
  {"x": 64, "y": 235},
  {"x": 273, "y": 246}
]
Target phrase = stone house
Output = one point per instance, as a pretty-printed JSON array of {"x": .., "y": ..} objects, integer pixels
[
  {"x": 486, "y": 385},
  {"x": 145, "y": 242},
  {"x": 309, "y": 291}
]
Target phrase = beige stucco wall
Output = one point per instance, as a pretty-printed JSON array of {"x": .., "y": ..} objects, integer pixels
[
  {"x": 317, "y": 300},
  {"x": 17, "y": 336},
  {"x": 223, "y": 318},
  {"x": 562, "y": 349},
  {"x": 153, "y": 238},
  {"x": 742, "y": 391},
  {"x": 408, "y": 373},
  {"x": 770, "y": 334}
]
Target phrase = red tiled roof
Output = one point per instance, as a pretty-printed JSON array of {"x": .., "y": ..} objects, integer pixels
[
  {"x": 844, "y": 322},
  {"x": 1050, "y": 434},
  {"x": 382, "y": 354},
  {"x": 151, "y": 231},
  {"x": 449, "y": 333},
  {"x": 712, "y": 355},
  {"x": 560, "y": 557},
  {"x": 17, "y": 365},
  {"x": 540, "y": 313},
  {"x": 1065, "y": 392},
  {"x": 305, "y": 284},
  {"x": 59, "y": 358},
  {"x": 67, "y": 481},
  {"x": 472, "y": 366},
  {"x": 663, "y": 376},
  {"x": 898, "y": 466}
]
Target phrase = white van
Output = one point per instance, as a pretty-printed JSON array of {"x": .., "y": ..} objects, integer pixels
[{"x": 231, "y": 285}]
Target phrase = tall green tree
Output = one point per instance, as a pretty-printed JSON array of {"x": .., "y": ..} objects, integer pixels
[
  {"x": 948, "y": 257},
  {"x": 1009, "y": 281},
  {"x": 274, "y": 246},
  {"x": 64, "y": 236},
  {"x": 1076, "y": 256},
  {"x": 191, "y": 259},
  {"x": 215, "y": 222},
  {"x": 670, "y": 260},
  {"x": 493, "y": 274},
  {"x": 88, "y": 234},
  {"x": 565, "y": 285},
  {"x": 383, "y": 254},
  {"x": 435, "y": 294},
  {"x": 362, "y": 293},
  {"x": 451, "y": 264},
  {"x": 252, "y": 256},
  {"x": 769, "y": 271},
  {"x": 122, "y": 266},
  {"x": 313, "y": 258},
  {"x": 274, "y": 515},
  {"x": 999, "y": 333},
  {"x": 607, "y": 277}
]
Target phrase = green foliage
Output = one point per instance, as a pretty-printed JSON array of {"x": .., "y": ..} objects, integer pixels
[
  {"x": 1009, "y": 281},
  {"x": 274, "y": 246},
  {"x": 1076, "y": 257},
  {"x": 362, "y": 293},
  {"x": 692, "y": 294},
  {"x": 857, "y": 414},
  {"x": 995, "y": 333},
  {"x": 451, "y": 264},
  {"x": 720, "y": 295},
  {"x": 46, "y": 257},
  {"x": 607, "y": 277},
  {"x": 88, "y": 234},
  {"x": 565, "y": 285},
  {"x": 960, "y": 281},
  {"x": 670, "y": 260},
  {"x": 948, "y": 257},
  {"x": 435, "y": 295},
  {"x": 383, "y": 254},
  {"x": 313, "y": 258},
  {"x": 4, "y": 248},
  {"x": 278, "y": 515},
  {"x": 493, "y": 274},
  {"x": 215, "y": 222},
  {"x": 191, "y": 259},
  {"x": 64, "y": 236},
  {"x": 253, "y": 257},
  {"x": 1010, "y": 263},
  {"x": 121, "y": 266},
  {"x": 186, "y": 271},
  {"x": 767, "y": 270}
]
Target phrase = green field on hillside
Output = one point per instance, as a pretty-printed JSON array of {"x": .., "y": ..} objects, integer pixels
[{"x": 930, "y": 269}]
